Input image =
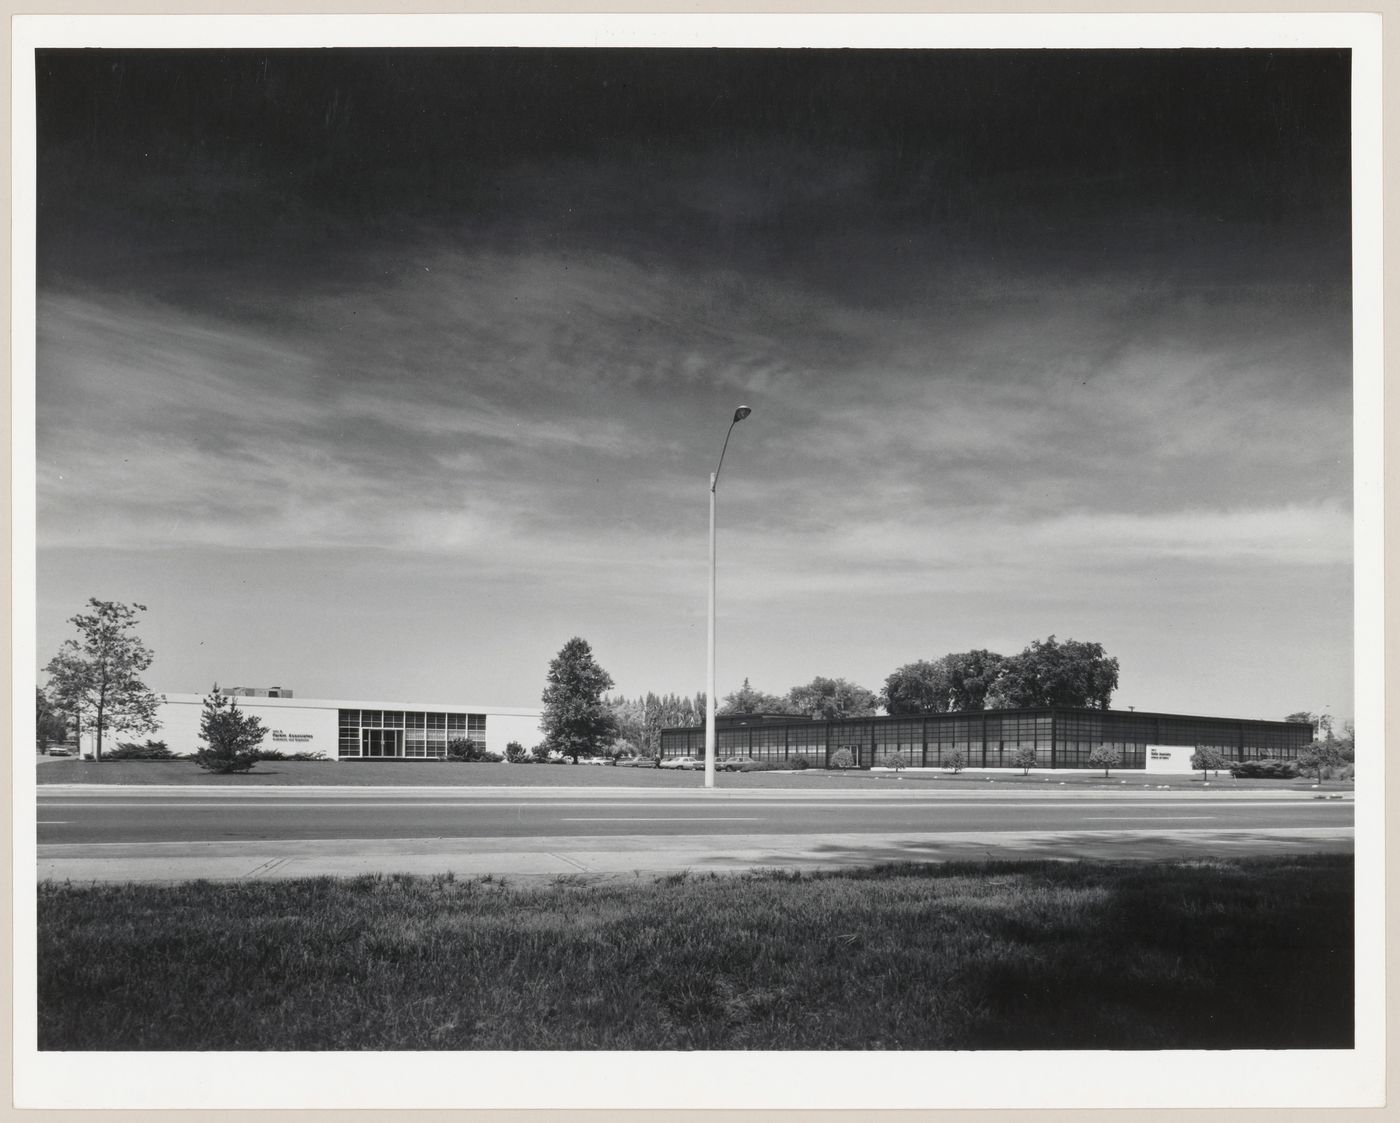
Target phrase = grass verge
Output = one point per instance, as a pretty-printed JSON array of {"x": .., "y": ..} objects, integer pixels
[
  {"x": 1229, "y": 954},
  {"x": 280, "y": 773}
]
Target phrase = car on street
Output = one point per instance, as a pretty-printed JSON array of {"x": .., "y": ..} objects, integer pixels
[{"x": 689, "y": 762}]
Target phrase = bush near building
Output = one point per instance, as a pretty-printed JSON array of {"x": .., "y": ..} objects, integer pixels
[
  {"x": 1105, "y": 758},
  {"x": 1264, "y": 770},
  {"x": 465, "y": 749},
  {"x": 151, "y": 750}
]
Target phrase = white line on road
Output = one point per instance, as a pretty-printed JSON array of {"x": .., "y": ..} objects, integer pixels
[
  {"x": 54, "y": 822},
  {"x": 663, "y": 819},
  {"x": 1146, "y": 818}
]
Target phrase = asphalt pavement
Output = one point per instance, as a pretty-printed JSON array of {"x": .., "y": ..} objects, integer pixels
[{"x": 148, "y": 834}]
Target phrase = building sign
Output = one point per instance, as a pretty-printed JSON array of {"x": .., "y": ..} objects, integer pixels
[
  {"x": 1169, "y": 758},
  {"x": 278, "y": 735}
]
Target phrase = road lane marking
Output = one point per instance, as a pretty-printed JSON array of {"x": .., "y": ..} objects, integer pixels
[
  {"x": 662, "y": 819},
  {"x": 929, "y": 804},
  {"x": 54, "y": 822},
  {"x": 1144, "y": 818}
]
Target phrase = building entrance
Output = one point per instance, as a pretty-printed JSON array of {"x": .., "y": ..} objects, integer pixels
[{"x": 381, "y": 742}]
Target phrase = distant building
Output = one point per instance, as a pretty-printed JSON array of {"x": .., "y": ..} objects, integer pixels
[
  {"x": 355, "y": 730},
  {"x": 1062, "y": 737}
]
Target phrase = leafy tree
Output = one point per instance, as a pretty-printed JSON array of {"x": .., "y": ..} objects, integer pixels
[
  {"x": 1207, "y": 760},
  {"x": 577, "y": 722},
  {"x": 1319, "y": 756},
  {"x": 1050, "y": 673},
  {"x": 955, "y": 761},
  {"x": 827, "y": 699},
  {"x": 957, "y": 681},
  {"x": 747, "y": 700},
  {"x": 916, "y": 688},
  {"x": 1347, "y": 741},
  {"x": 50, "y": 727},
  {"x": 1024, "y": 759},
  {"x": 231, "y": 736},
  {"x": 843, "y": 758},
  {"x": 96, "y": 678},
  {"x": 1105, "y": 758}
]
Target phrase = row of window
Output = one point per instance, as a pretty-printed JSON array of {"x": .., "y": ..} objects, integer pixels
[
  {"x": 992, "y": 741},
  {"x": 406, "y": 733}
]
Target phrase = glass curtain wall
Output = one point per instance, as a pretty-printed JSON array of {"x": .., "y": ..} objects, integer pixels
[
  {"x": 406, "y": 734},
  {"x": 1060, "y": 738}
]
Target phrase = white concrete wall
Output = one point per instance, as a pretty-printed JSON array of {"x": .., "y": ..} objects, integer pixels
[
  {"x": 1169, "y": 758},
  {"x": 505, "y": 726},
  {"x": 293, "y": 725}
]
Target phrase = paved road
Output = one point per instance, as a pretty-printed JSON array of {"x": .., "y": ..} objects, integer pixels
[
  {"x": 144, "y": 833},
  {"x": 196, "y": 815}
]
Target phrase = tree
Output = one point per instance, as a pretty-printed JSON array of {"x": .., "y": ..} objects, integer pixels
[
  {"x": 577, "y": 722},
  {"x": 231, "y": 736},
  {"x": 957, "y": 681},
  {"x": 96, "y": 678},
  {"x": 1024, "y": 759},
  {"x": 1050, "y": 673},
  {"x": 1319, "y": 756},
  {"x": 1207, "y": 760},
  {"x": 916, "y": 688},
  {"x": 955, "y": 761},
  {"x": 1105, "y": 758},
  {"x": 827, "y": 699},
  {"x": 50, "y": 727},
  {"x": 747, "y": 700}
]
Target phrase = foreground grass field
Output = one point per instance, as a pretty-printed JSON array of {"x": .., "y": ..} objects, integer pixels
[{"x": 1222, "y": 955}]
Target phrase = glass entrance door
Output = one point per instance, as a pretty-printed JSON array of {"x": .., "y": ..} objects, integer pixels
[{"x": 381, "y": 742}]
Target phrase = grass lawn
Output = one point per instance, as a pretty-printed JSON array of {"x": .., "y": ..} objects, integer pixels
[
  {"x": 1228, "y": 954},
  {"x": 279, "y": 773}
]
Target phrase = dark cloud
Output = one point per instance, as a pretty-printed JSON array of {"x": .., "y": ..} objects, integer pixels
[{"x": 798, "y": 160}]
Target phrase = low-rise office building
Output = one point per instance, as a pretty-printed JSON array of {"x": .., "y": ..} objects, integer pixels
[
  {"x": 1062, "y": 737},
  {"x": 352, "y": 730}
]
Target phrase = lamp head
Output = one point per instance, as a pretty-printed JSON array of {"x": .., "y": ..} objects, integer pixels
[{"x": 741, "y": 413}]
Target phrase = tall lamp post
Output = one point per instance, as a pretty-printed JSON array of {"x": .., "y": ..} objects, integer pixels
[{"x": 739, "y": 415}]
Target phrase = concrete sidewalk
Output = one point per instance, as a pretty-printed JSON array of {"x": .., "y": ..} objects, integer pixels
[{"x": 625, "y": 856}]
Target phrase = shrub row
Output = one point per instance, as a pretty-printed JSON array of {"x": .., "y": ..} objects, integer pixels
[
  {"x": 1266, "y": 769},
  {"x": 130, "y": 750}
]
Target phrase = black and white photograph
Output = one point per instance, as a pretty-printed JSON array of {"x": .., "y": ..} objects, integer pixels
[{"x": 642, "y": 564}]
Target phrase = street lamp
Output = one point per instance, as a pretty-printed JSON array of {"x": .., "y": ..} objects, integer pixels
[{"x": 739, "y": 415}]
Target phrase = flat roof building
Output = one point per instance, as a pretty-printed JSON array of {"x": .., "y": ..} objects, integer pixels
[
  {"x": 1062, "y": 737},
  {"x": 351, "y": 729}
]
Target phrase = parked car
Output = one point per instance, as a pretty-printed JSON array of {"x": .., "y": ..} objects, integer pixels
[
  {"x": 691, "y": 762},
  {"x": 60, "y": 750}
]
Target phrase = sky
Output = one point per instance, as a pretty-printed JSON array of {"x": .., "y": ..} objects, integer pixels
[{"x": 381, "y": 374}]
